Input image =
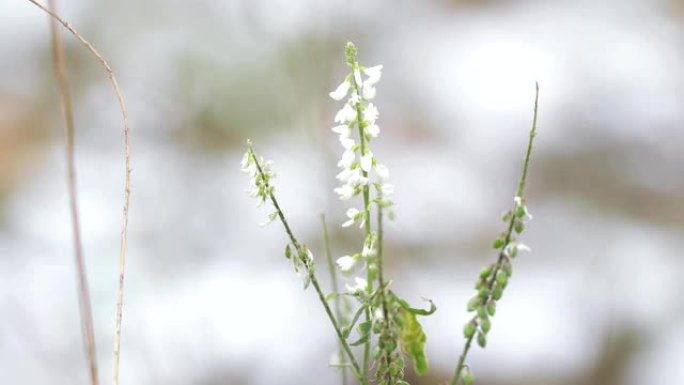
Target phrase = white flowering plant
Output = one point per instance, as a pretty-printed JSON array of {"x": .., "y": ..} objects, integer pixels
[{"x": 382, "y": 325}]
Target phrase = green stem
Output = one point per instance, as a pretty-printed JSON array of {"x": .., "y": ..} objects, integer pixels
[
  {"x": 381, "y": 283},
  {"x": 366, "y": 209},
  {"x": 312, "y": 276},
  {"x": 502, "y": 256},
  {"x": 335, "y": 287},
  {"x": 533, "y": 132}
]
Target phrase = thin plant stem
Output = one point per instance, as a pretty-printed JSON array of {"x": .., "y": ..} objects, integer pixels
[
  {"x": 312, "y": 276},
  {"x": 334, "y": 284},
  {"x": 509, "y": 232},
  {"x": 127, "y": 183},
  {"x": 87, "y": 327},
  {"x": 533, "y": 133},
  {"x": 367, "y": 225},
  {"x": 381, "y": 282}
]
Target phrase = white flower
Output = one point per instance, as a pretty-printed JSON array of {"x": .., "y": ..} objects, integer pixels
[
  {"x": 367, "y": 161},
  {"x": 517, "y": 201},
  {"x": 346, "y": 114},
  {"x": 367, "y": 251},
  {"x": 512, "y": 249},
  {"x": 248, "y": 166},
  {"x": 347, "y": 158},
  {"x": 253, "y": 191},
  {"x": 344, "y": 175},
  {"x": 343, "y": 130},
  {"x": 345, "y": 192},
  {"x": 337, "y": 359},
  {"x": 309, "y": 254},
  {"x": 378, "y": 314},
  {"x": 361, "y": 285},
  {"x": 382, "y": 171},
  {"x": 523, "y": 247},
  {"x": 346, "y": 142},
  {"x": 357, "y": 77},
  {"x": 527, "y": 213},
  {"x": 346, "y": 263},
  {"x": 353, "y": 214},
  {"x": 370, "y": 114},
  {"x": 354, "y": 99},
  {"x": 357, "y": 179},
  {"x": 387, "y": 189},
  {"x": 341, "y": 91},
  {"x": 245, "y": 161},
  {"x": 368, "y": 91},
  {"x": 373, "y": 130},
  {"x": 373, "y": 73}
]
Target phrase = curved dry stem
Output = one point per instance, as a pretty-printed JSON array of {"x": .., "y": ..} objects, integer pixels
[
  {"x": 87, "y": 327},
  {"x": 127, "y": 182}
]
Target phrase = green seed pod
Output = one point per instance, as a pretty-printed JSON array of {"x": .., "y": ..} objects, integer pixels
[
  {"x": 482, "y": 312},
  {"x": 491, "y": 308},
  {"x": 498, "y": 243},
  {"x": 288, "y": 252},
  {"x": 474, "y": 303},
  {"x": 486, "y": 272},
  {"x": 481, "y": 340},
  {"x": 483, "y": 293},
  {"x": 478, "y": 285},
  {"x": 497, "y": 293},
  {"x": 520, "y": 211},
  {"x": 486, "y": 325},
  {"x": 502, "y": 279},
  {"x": 468, "y": 377},
  {"x": 508, "y": 268},
  {"x": 469, "y": 329},
  {"x": 519, "y": 226}
]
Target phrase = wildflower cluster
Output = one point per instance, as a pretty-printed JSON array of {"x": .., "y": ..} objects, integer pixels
[
  {"x": 383, "y": 324},
  {"x": 261, "y": 174},
  {"x": 494, "y": 278},
  {"x": 357, "y": 161},
  {"x": 385, "y": 314}
]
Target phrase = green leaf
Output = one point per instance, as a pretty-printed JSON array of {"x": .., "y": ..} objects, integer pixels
[
  {"x": 365, "y": 327},
  {"x": 415, "y": 311},
  {"x": 413, "y": 341},
  {"x": 361, "y": 340},
  {"x": 332, "y": 296}
]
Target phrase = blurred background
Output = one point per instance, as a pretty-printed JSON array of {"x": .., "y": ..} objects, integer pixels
[{"x": 209, "y": 297}]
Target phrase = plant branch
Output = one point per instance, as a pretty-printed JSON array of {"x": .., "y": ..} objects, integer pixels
[
  {"x": 127, "y": 182},
  {"x": 312, "y": 276},
  {"x": 87, "y": 327},
  {"x": 509, "y": 232},
  {"x": 366, "y": 213},
  {"x": 333, "y": 281},
  {"x": 381, "y": 283}
]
